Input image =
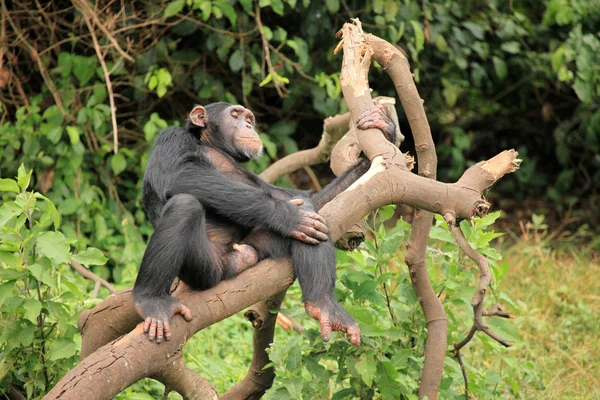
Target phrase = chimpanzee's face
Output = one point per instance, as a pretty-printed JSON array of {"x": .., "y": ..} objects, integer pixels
[
  {"x": 229, "y": 128},
  {"x": 240, "y": 122}
]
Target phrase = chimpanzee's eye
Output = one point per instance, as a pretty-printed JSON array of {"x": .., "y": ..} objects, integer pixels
[{"x": 235, "y": 114}]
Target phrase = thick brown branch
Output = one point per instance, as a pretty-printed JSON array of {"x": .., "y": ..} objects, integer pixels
[
  {"x": 177, "y": 376},
  {"x": 333, "y": 129},
  {"x": 258, "y": 379},
  {"x": 133, "y": 356},
  {"x": 358, "y": 49}
]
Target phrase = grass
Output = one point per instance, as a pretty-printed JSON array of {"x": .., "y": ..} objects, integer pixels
[{"x": 557, "y": 285}]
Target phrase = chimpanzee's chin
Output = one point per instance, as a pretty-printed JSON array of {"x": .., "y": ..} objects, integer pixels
[{"x": 254, "y": 153}]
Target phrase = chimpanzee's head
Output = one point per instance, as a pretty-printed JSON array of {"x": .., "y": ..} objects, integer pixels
[{"x": 227, "y": 127}]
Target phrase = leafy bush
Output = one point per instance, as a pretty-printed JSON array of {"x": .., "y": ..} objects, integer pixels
[
  {"x": 375, "y": 288},
  {"x": 40, "y": 296}
]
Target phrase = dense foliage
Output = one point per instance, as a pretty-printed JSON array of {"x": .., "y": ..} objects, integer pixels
[{"x": 494, "y": 75}]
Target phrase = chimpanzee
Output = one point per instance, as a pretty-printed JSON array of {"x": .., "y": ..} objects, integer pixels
[{"x": 212, "y": 218}]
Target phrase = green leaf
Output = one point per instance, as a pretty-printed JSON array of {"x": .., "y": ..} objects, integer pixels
[
  {"x": 174, "y": 7},
  {"x": 266, "y": 81},
  {"x": 54, "y": 246},
  {"x": 500, "y": 67},
  {"x": 61, "y": 348},
  {"x": 366, "y": 367},
  {"x": 236, "y": 61},
  {"x": 294, "y": 358},
  {"x": 9, "y": 185},
  {"x": 32, "y": 309},
  {"x": 419, "y": 35},
  {"x": 277, "y": 6},
  {"x": 73, "y": 133},
  {"x": 118, "y": 163},
  {"x": 68, "y": 207},
  {"x": 8, "y": 211},
  {"x": 228, "y": 11},
  {"x": 386, "y": 212},
  {"x": 6, "y": 290},
  {"x": 584, "y": 90},
  {"x": 511, "y": 47},
  {"x": 90, "y": 256},
  {"x": 333, "y": 6},
  {"x": 51, "y": 209},
  {"x": 23, "y": 177},
  {"x": 84, "y": 68}
]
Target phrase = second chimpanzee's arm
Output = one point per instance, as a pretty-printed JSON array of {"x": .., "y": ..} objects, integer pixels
[
  {"x": 244, "y": 204},
  {"x": 372, "y": 117},
  {"x": 341, "y": 183}
]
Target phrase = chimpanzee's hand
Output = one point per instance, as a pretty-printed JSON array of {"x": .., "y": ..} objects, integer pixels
[
  {"x": 375, "y": 117},
  {"x": 311, "y": 226},
  {"x": 157, "y": 313}
]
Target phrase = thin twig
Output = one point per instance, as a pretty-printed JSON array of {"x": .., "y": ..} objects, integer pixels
[
  {"x": 265, "y": 45},
  {"x": 35, "y": 56},
  {"x": 111, "y": 96},
  {"x": 86, "y": 273},
  {"x": 88, "y": 12}
]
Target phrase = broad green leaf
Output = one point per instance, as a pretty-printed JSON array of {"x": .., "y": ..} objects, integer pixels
[
  {"x": 90, "y": 256},
  {"x": 366, "y": 367},
  {"x": 236, "y": 61},
  {"x": 333, "y": 6},
  {"x": 6, "y": 290},
  {"x": 174, "y": 7},
  {"x": 386, "y": 212},
  {"x": 8, "y": 211},
  {"x": 68, "y": 207},
  {"x": 73, "y": 133},
  {"x": 32, "y": 309},
  {"x": 511, "y": 47},
  {"x": 118, "y": 163},
  {"x": 23, "y": 177},
  {"x": 54, "y": 246},
  {"x": 9, "y": 185},
  {"x": 500, "y": 67},
  {"x": 51, "y": 209},
  {"x": 277, "y": 6},
  {"x": 419, "y": 35},
  {"x": 61, "y": 348},
  {"x": 228, "y": 11},
  {"x": 294, "y": 358}
]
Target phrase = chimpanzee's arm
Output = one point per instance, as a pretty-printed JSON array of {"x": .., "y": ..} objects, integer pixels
[
  {"x": 341, "y": 183},
  {"x": 246, "y": 205}
]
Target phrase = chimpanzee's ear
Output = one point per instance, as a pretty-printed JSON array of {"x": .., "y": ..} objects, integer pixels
[{"x": 199, "y": 117}]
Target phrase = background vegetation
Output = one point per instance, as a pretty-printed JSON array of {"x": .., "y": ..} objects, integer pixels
[{"x": 494, "y": 75}]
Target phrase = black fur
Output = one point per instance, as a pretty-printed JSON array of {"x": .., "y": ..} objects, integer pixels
[{"x": 185, "y": 196}]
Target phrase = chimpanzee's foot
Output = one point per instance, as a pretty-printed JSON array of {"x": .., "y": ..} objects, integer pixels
[
  {"x": 332, "y": 317},
  {"x": 375, "y": 117},
  {"x": 242, "y": 257},
  {"x": 157, "y": 313}
]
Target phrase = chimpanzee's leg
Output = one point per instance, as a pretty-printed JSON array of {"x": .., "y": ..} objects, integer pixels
[
  {"x": 178, "y": 247},
  {"x": 315, "y": 267}
]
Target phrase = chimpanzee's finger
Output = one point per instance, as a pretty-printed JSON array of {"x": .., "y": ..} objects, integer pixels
[
  {"x": 167, "y": 329},
  {"x": 152, "y": 332},
  {"x": 303, "y": 237},
  {"x": 312, "y": 232},
  {"x": 354, "y": 336},
  {"x": 183, "y": 310},
  {"x": 147, "y": 323},
  {"x": 315, "y": 216},
  {"x": 297, "y": 202},
  {"x": 325, "y": 328},
  {"x": 159, "y": 331},
  {"x": 316, "y": 224}
]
